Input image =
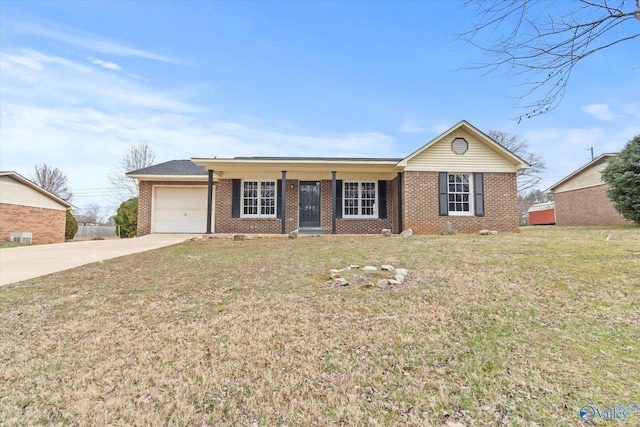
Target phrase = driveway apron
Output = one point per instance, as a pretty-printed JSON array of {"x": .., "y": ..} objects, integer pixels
[{"x": 26, "y": 262}]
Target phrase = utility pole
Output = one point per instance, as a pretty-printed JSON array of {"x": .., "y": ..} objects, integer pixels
[{"x": 592, "y": 147}]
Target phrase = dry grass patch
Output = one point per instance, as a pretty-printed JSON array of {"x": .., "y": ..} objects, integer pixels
[{"x": 518, "y": 329}]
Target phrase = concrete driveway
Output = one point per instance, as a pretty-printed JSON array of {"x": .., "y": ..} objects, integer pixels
[{"x": 27, "y": 262}]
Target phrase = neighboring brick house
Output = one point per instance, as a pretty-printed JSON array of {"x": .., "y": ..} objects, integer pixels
[
  {"x": 27, "y": 208},
  {"x": 462, "y": 177},
  {"x": 581, "y": 198}
]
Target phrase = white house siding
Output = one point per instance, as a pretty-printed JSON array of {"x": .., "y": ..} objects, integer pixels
[
  {"x": 15, "y": 193},
  {"x": 589, "y": 177},
  {"x": 480, "y": 157}
]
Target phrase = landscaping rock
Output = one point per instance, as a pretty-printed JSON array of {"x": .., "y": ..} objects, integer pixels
[
  {"x": 335, "y": 274},
  {"x": 354, "y": 267},
  {"x": 239, "y": 237},
  {"x": 449, "y": 230},
  {"x": 340, "y": 282},
  {"x": 407, "y": 233},
  {"x": 401, "y": 274},
  {"x": 293, "y": 234},
  {"x": 386, "y": 232},
  {"x": 369, "y": 268},
  {"x": 382, "y": 283},
  {"x": 387, "y": 267},
  {"x": 393, "y": 282},
  {"x": 488, "y": 232}
]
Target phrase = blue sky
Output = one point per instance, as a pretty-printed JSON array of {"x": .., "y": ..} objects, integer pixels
[{"x": 81, "y": 81}]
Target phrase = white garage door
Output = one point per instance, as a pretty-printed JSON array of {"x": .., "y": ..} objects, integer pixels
[{"x": 180, "y": 210}]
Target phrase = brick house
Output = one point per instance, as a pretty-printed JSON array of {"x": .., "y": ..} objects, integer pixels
[
  {"x": 28, "y": 208},
  {"x": 581, "y": 197},
  {"x": 462, "y": 177}
]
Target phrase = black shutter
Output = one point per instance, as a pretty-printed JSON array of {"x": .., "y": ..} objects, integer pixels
[
  {"x": 478, "y": 188},
  {"x": 279, "y": 199},
  {"x": 235, "y": 198},
  {"x": 338, "y": 198},
  {"x": 443, "y": 193},
  {"x": 382, "y": 199}
]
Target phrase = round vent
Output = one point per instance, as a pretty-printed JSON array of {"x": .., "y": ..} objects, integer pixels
[{"x": 459, "y": 146}]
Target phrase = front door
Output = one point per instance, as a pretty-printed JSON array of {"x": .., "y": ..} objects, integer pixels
[{"x": 309, "y": 204}]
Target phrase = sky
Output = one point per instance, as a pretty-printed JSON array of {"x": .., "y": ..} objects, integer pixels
[{"x": 80, "y": 81}]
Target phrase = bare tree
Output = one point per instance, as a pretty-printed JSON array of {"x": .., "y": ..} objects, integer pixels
[
  {"x": 139, "y": 156},
  {"x": 546, "y": 39},
  {"x": 529, "y": 178},
  {"x": 93, "y": 213},
  {"x": 52, "y": 179}
]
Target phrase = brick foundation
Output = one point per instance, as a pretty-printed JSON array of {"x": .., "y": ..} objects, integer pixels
[
  {"x": 46, "y": 225},
  {"x": 587, "y": 206}
]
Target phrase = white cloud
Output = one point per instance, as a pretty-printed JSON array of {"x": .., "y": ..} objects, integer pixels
[
  {"x": 411, "y": 126},
  {"x": 90, "y": 41},
  {"x": 34, "y": 60},
  {"x": 82, "y": 119},
  {"x": 105, "y": 64},
  {"x": 599, "y": 111}
]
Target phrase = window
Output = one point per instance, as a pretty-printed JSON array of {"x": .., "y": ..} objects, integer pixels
[
  {"x": 460, "y": 194},
  {"x": 259, "y": 199},
  {"x": 359, "y": 200}
]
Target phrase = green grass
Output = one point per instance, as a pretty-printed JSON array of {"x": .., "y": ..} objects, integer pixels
[{"x": 516, "y": 329}]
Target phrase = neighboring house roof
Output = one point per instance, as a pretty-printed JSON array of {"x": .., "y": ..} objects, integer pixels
[
  {"x": 173, "y": 169},
  {"x": 5, "y": 196},
  {"x": 592, "y": 180}
]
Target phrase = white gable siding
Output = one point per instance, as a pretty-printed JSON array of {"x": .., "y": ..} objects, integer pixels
[
  {"x": 478, "y": 158},
  {"x": 587, "y": 178},
  {"x": 15, "y": 193}
]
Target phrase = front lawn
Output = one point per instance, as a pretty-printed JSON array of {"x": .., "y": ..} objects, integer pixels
[{"x": 514, "y": 329}]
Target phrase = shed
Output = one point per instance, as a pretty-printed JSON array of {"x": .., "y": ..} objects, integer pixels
[{"x": 542, "y": 214}]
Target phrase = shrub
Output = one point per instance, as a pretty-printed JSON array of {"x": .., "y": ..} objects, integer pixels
[
  {"x": 623, "y": 176},
  {"x": 70, "y": 227},
  {"x": 127, "y": 218}
]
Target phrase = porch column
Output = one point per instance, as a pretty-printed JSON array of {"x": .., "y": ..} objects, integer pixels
[
  {"x": 283, "y": 202},
  {"x": 400, "y": 202},
  {"x": 334, "y": 202},
  {"x": 209, "y": 202}
]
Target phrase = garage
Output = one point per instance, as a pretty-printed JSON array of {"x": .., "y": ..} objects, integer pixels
[{"x": 179, "y": 209}]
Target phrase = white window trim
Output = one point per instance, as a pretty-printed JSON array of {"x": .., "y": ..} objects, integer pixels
[
  {"x": 375, "y": 201},
  {"x": 471, "y": 195},
  {"x": 259, "y": 215}
]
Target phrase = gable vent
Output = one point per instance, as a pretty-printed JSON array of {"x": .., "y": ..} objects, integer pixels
[{"x": 459, "y": 146}]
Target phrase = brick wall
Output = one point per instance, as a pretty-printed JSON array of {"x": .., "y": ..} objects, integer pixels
[
  {"x": 352, "y": 226},
  {"x": 421, "y": 213},
  {"x": 587, "y": 206},
  {"x": 145, "y": 201},
  {"x": 46, "y": 225},
  {"x": 226, "y": 224}
]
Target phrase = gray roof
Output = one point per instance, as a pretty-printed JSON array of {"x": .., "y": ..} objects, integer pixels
[
  {"x": 172, "y": 167},
  {"x": 326, "y": 159}
]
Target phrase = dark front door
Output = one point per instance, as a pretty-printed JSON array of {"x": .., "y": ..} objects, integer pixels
[{"x": 309, "y": 204}]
